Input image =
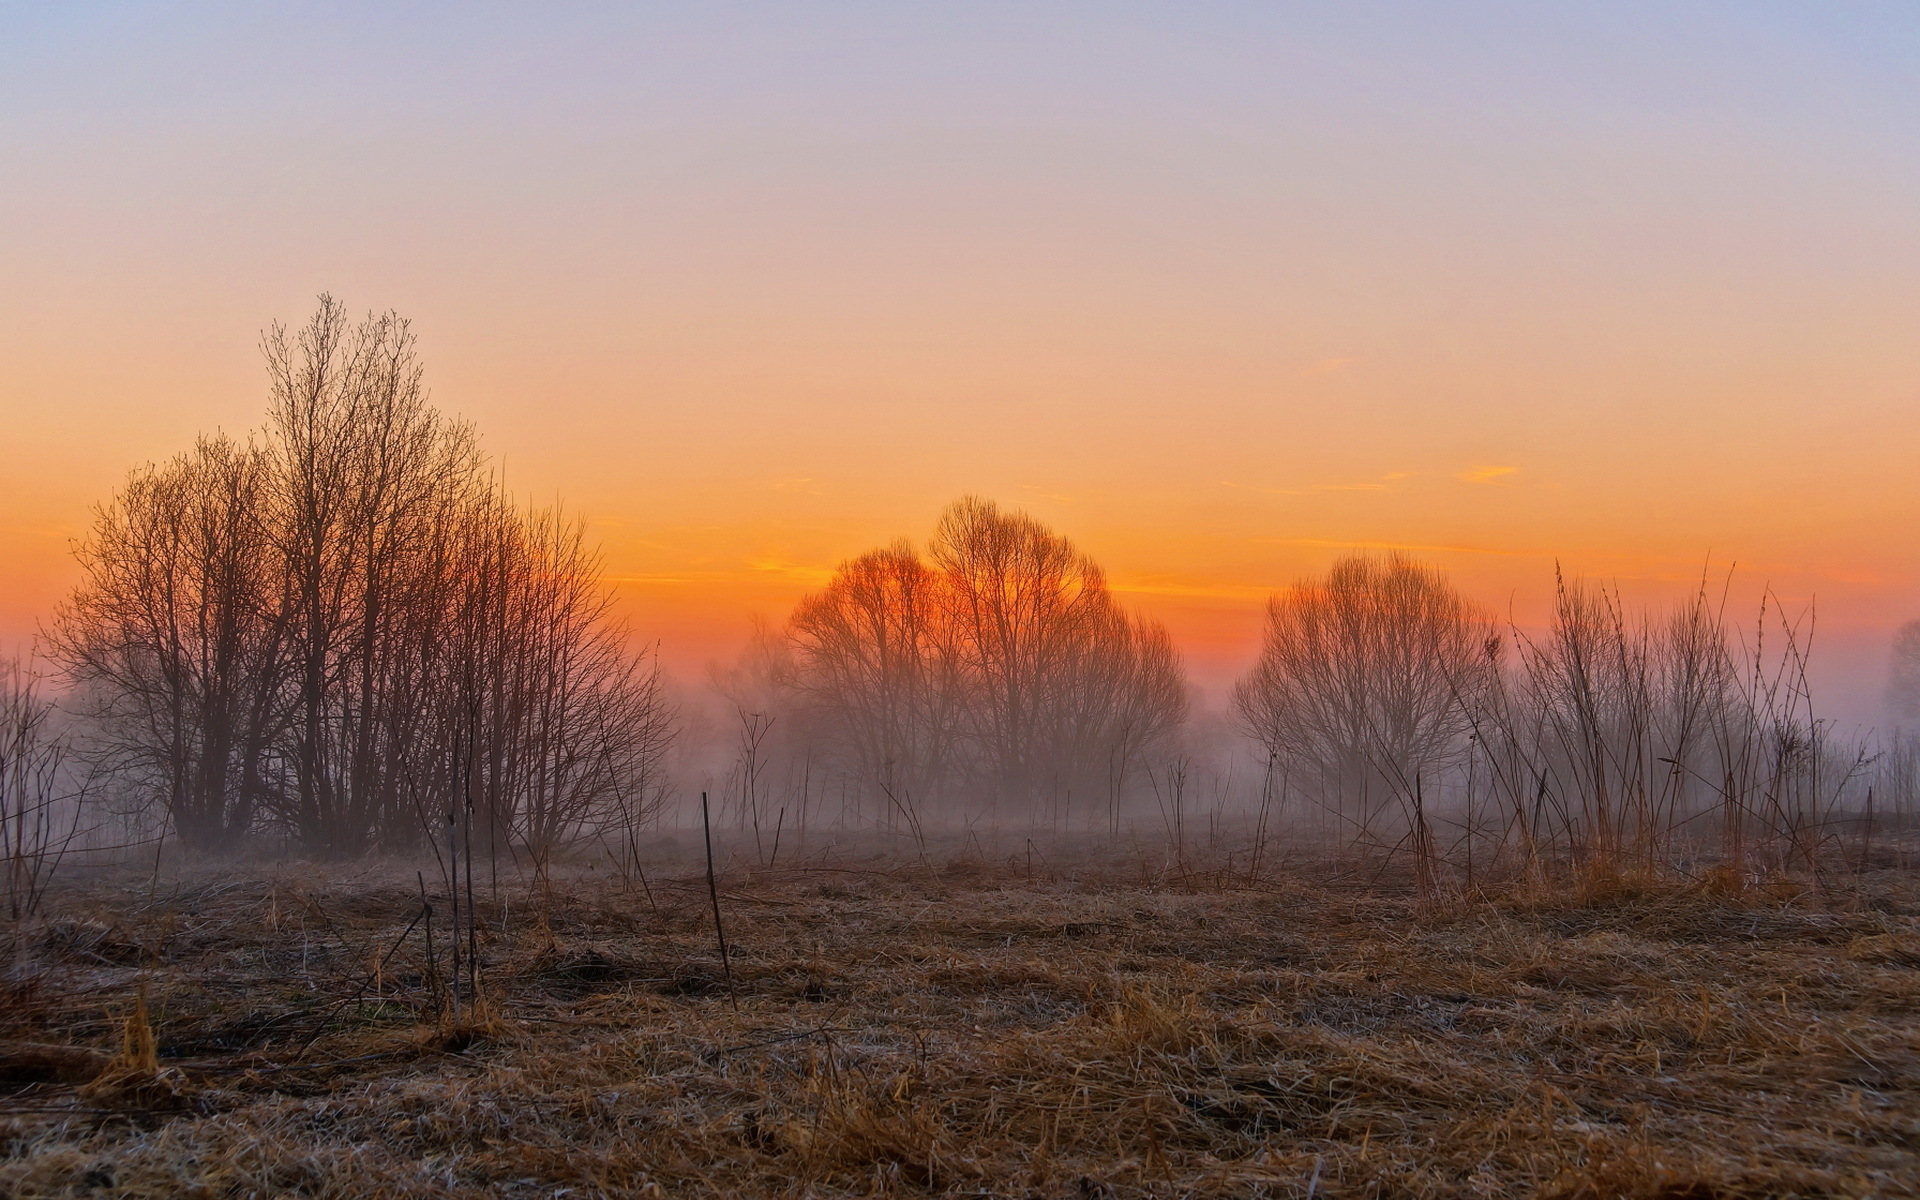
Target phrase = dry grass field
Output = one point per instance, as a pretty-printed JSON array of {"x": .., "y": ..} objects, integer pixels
[{"x": 972, "y": 1029}]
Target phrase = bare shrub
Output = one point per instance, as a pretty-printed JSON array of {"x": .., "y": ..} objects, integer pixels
[
  {"x": 1631, "y": 741},
  {"x": 42, "y": 790}
]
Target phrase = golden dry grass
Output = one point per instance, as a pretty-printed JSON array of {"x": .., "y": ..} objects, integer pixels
[{"x": 968, "y": 1031}]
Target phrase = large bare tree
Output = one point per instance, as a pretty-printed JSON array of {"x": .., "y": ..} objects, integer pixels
[
  {"x": 1366, "y": 679},
  {"x": 348, "y": 629},
  {"x": 1000, "y": 666},
  {"x": 370, "y": 480}
]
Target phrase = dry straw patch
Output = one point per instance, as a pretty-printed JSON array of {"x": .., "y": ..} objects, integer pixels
[{"x": 915, "y": 1032}]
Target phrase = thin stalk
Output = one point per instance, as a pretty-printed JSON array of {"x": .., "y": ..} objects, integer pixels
[{"x": 713, "y": 894}]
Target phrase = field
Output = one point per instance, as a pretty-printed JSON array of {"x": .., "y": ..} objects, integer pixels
[{"x": 1017, "y": 1027}]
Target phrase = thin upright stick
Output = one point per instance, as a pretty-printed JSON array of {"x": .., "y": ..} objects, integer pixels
[
  {"x": 473, "y": 926},
  {"x": 453, "y": 878},
  {"x": 713, "y": 894},
  {"x": 645, "y": 886},
  {"x": 433, "y": 965}
]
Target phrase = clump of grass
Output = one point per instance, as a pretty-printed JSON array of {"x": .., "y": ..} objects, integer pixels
[{"x": 134, "y": 1078}]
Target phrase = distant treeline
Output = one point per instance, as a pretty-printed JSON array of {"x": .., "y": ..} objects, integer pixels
[{"x": 342, "y": 629}]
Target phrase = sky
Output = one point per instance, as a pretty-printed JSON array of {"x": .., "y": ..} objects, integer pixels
[{"x": 1221, "y": 291}]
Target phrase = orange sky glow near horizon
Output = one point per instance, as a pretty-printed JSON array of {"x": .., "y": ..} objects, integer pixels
[{"x": 1627, "y": 288}]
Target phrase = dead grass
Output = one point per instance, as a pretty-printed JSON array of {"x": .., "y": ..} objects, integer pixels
[{"x": 967, "y": 1031}]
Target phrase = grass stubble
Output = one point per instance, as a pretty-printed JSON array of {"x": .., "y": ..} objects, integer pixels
[{"x": 967, "y": 1030}]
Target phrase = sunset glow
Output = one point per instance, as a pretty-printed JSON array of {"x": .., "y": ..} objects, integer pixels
[{"x": 1217, "y": 293}]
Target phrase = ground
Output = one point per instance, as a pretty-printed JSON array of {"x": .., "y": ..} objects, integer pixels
[{"x": 912, "y": 1028}]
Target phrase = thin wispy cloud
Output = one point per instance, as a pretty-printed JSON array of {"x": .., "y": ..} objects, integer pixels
[
  {"x": 812, "y": 573},
  {"x": 1487, "y": 474}
]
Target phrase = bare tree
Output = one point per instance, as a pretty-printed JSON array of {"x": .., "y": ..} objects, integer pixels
[
  {"x": 1040, "y": 643},
  {"x": 878, "y": 666},
  {"x": 566, "y": 726},
  {"x": 349, "y": 625},
  {"x": 1145, "y": 707},
  {"x": 1366, "y": 678},
  {"x": 369, "y": 478},
  {"x": 177, "y": 638},
  {"x": 1003, "y": 664}
]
